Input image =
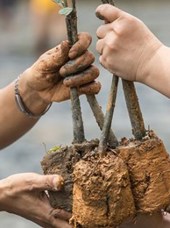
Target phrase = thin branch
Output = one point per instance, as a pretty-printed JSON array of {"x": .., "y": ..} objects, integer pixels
[
  {"x": 78, "y": 128},
  {"x": 135, "y": 114},
  {"x": 99, "y": 116},
  {"x": 109, "y": 115}
]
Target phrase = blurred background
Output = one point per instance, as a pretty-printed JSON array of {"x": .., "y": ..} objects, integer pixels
[{"x": 27, "y": 29}]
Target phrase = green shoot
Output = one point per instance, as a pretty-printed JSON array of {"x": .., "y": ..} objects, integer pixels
[
  {"x": 65, "y": 10},
  {"x": 55, "y": 149}
]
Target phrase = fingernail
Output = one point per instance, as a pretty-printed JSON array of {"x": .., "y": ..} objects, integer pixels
[{"x": 99, "y": 15}]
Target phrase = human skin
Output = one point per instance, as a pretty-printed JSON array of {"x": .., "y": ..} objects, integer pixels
[
  {"x": 44, "y": 82},
  {"x": 130, "y": 50},
  {"x": 25, "y": 195}
]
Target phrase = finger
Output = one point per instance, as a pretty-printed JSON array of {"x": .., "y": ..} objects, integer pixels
[
  {"x": 47, "y": 182},
  {"x": 105, "y": 64},
  {"x": 61, "y": 214},
  {"x": 54, "y": 58},
  {"x": 54, "y": 222},
  {"x": 61, "y": 224},
  {"x": 77, "y": 65},
  {"x": 90, "y": 89},
  {"x": 53, "y": 50},
  {"x": 103, "y": 30},
  {"x": 84, "y": 40},
  {"x": 85, "y": 77},
  {"x": 108, "y": 12},
  {"x": 100, "y": 46}
]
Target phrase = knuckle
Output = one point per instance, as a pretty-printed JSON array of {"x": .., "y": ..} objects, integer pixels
[
  {"x": 98, "y": 31},
  {"x": 112, "y": 44},
  {"x": 103, "y": 8}
]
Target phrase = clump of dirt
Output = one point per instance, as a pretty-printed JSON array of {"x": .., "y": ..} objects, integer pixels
[
  {"x": 61, "y": 160},
  {"x": 149, "y": 170},
  {"x": 102, "y": 194}
]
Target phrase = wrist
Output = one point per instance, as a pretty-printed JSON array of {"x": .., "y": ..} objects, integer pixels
[
  {"x": 3, "y": 194},
  {"x": 157, "y": 75},
  {"x": 148, "y": 59},
  {"x": 29, "y": 98}
]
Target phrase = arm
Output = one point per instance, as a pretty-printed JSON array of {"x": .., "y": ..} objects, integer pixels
[
  {"x": 44, "y": 82},
  {"x": 13, "y": 122},
  {"x": 130, "y": 50}
]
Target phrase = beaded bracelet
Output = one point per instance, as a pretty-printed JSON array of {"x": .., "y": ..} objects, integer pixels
[{"x": 22, "y": 107}]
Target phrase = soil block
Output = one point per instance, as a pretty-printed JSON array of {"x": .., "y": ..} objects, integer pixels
[
  {"x": 102, "y": 194},
  {"x": 61, "y": 160},
  {"x": 97, "y": 188},
  {"x": 149, "y": 170}
]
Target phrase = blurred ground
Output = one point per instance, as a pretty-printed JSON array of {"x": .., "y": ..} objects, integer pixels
[{"x": 17, "y": 52}]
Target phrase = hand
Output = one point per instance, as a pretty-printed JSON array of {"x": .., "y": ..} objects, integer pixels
[
  {"x": 126, "y": 46},
  {"x": 25, "y": 195},
  {"x": 47, "y": 77}
]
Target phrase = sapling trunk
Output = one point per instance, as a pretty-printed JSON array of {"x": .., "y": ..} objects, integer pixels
[
  {"x": 109, "y": 115},
  {"x": 78, "y": 128},
  {"x": 97, "y": 111}
]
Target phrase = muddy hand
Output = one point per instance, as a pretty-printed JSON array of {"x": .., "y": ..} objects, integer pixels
[{"x": 45, "y": 77}]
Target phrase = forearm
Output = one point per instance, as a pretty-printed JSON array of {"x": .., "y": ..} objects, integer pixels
[
  {"x": 13, "y": 122},
  {"x": 156, "y": 73}
]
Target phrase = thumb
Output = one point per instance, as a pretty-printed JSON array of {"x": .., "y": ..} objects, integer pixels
[
  {"x": 108, "y": 12},
  {"x": 62, "y": 51},
  {"x": 48, "y": 182}
]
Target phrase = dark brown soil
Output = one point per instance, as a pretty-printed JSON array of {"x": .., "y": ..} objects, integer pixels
[{"x": 61, "y": 160}]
